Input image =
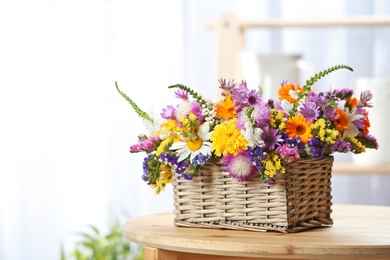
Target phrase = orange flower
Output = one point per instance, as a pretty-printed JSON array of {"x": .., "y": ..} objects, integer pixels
[
  {"x": 297, "y": 126},
  {"x": 225, "y": 109},
  {"x": 366, "y": 123},
  {"x": 352, "y": 102},
  {"x": 342, "y": 122},
  {"x": 284, "y": 91}
]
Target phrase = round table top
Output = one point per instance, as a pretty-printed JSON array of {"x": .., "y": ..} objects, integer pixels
[{"x": 358, "y": 230}]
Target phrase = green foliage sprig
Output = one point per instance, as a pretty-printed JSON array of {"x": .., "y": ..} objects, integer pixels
[
  {"x": 139, "y": 111},
  {"x": 323, "y": 73}
]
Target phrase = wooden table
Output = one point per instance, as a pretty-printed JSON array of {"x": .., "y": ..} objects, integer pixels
[{"x": 359, "y": 232}]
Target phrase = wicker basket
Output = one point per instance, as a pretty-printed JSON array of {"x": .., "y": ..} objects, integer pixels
[{"x": 300, "y": 200}]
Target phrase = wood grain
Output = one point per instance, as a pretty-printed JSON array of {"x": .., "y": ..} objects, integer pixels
[{"x": 359, "y": 232}]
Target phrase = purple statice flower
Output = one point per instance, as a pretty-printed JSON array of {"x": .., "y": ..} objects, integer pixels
[
  {"x": 341, "y": 146},
  {"x": 365, "y": 98},
  {"x": 240, "y": 167},
  {"x": 286, "y": 151},
  {"x": 271, "y": 138},
  {"x": 200, "y": 159},
  {"x": 343, "y": 94},
  {"x": 293, "y": 142},
  {"x": 368, "y": 141},
  {"x": 147, "y": 166},
  {"x": 317, "y": 149},
  {"x": 256, "y": 155},
  {"x": 168, "y": 112},
  {"x": 244, "y": 98},
  {"x": 182, "y": 94},
  {"x": 310, "y": 111},
  {"x": 261, "y": 114},
  {"x": 178, "y": 167}
]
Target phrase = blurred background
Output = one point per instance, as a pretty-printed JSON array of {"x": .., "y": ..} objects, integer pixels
[{"x": 65, "y": 132}]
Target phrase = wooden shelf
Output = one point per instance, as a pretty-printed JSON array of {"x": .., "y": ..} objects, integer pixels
[
  {"x": 350, "y": 21},
  {"x": 352, "y": 168}
]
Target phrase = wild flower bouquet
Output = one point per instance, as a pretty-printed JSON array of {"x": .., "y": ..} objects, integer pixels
[{"x": 252, "y": 136}]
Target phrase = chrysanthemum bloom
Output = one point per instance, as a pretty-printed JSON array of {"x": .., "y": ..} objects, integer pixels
[
  {"x": 288, "y": 91},
  {"x": 199, "y": 145},
  {"x": 240, "y": 167},
  {"x": 227, "y": 139},
  {"x": 297, "y": 126},
  {"x": 225, "y": 109}
]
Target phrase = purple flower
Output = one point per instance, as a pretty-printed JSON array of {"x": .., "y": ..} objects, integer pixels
[
  {"x": 182, "y": 94},
  {"x": 200, "y": 159},
  {"x": 312, "y": 97},
  {"x": 227, "y": 86},
  {"x": 168, "y": 112},
  {"x": 271, "y": 138},
  {"x": 341, "y": 146},
  {"x": 365, "y": 98},
  {"x": 317, "y": 149},
  {"x": 179, "y": 167},
  {"x": 329, "y": 113},
  {"x": 261, "y": 114},
  {"x": 196, "y": 109},
  {"x": 256, "y": 155},
  {"x": 244, "y": 98},
  {"x": 240, "y": 167},
  {"x": 310, "y": 111}
]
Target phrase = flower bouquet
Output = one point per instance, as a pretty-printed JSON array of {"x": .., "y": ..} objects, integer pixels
[{"x": 253, "y": 164}]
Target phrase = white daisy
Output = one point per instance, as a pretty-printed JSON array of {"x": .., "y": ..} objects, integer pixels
[{"x": 200, "y": 145}]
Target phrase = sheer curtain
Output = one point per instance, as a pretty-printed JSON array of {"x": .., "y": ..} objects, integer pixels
[{"x": 65, "y": 131}]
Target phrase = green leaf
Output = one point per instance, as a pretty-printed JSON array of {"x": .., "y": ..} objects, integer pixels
[{"x": 140, "y": 112}]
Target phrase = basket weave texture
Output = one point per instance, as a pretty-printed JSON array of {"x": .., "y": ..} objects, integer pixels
[{"x": 300, "y": 199}]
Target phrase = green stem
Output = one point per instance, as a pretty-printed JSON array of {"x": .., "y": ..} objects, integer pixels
[{"x": 139, "y": 111}]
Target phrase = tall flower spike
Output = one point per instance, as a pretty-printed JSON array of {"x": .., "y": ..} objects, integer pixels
[
  {"x": 139, "y": 111},
  {"x": 321, "y": 74}
]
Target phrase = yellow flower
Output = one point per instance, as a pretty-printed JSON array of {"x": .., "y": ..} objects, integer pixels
[
  {"x": 324, "y": 134},
  {"x": 227, "y": 139},
  {"x": 164, "y": 145},
  {"x": 272, "y": 165},
  {"x": 164, "y": 178}
]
